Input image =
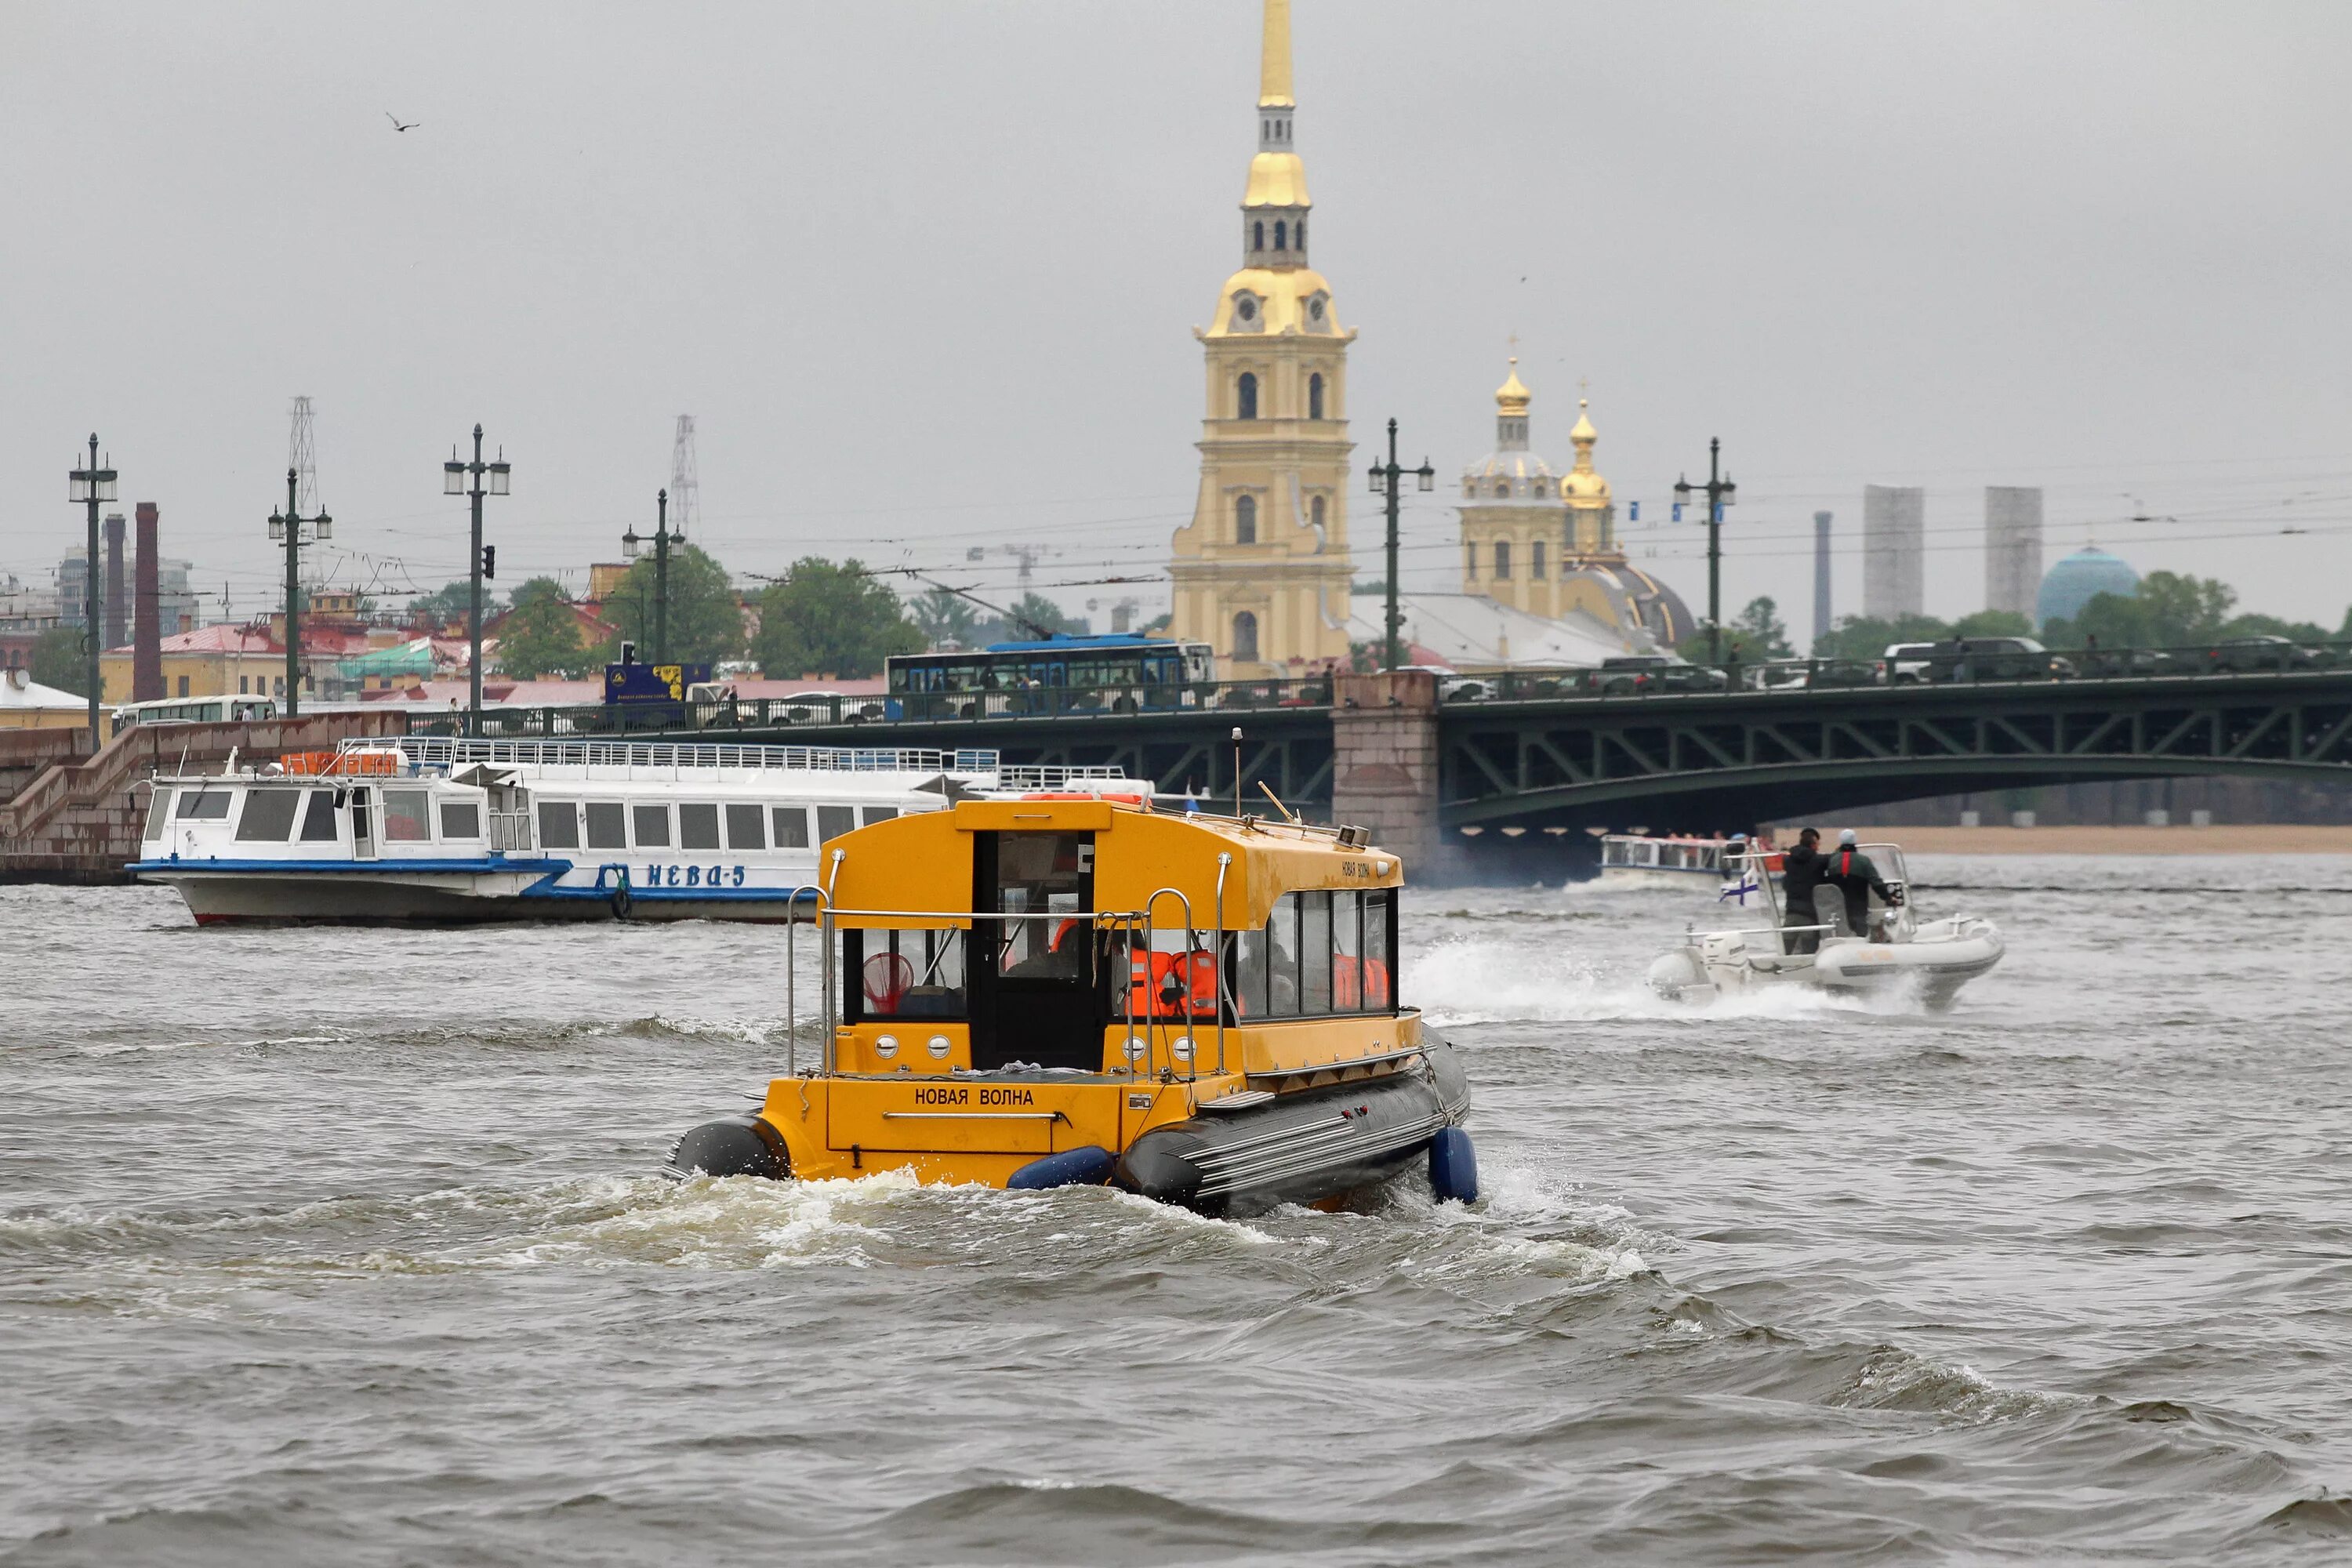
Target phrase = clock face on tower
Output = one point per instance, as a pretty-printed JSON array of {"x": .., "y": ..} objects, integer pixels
[
  {"x": 1244, "y": 307},
  {"x": 1315, "y": 308}
]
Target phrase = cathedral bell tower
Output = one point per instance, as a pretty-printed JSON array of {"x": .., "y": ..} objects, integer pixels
[{"x": 1262, "y": 572}]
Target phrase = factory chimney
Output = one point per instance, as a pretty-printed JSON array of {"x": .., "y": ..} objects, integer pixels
[
  {"x": 118, "y": 607},
  {"x": 147, "y": 651}
]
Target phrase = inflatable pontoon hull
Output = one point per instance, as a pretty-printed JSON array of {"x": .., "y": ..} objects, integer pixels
[{"x": 1300, "y": 1148}]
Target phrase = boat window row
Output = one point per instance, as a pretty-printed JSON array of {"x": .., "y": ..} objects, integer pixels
[
  {"x": 1319, "y": 956},
  {"x": 744, "y": 825}
]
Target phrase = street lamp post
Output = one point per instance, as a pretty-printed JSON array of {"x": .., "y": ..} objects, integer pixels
[
  {"x": 93, "y": 485},
  {"x": 1720, "y": 493},
  {"x": 631, "y": 543},
  {"x": 453, "y": 475},
  {"x": 1384, "y": 483},
  {"x": 287, "y": 526}
]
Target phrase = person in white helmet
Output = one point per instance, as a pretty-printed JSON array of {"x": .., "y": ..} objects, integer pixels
[{"x": 1851, "y": 872}]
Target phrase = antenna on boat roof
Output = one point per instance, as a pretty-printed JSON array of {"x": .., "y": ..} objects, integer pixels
[{"x": 1277, "y": 804}]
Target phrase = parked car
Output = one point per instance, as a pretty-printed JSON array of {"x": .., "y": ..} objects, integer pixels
[
  {"x": 2125, "y": 662},
  {"x": 1795, "y": 674},
  {"x": 1626, "y": 674},
  {"x": 1993, "y": 658},
  {"x": 2261, "y": 650},
  {"x": 1905, "y": 663},
  {"x": 830, "y": 707}
]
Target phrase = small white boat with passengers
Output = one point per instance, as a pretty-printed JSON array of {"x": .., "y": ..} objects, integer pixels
[
  {"x": 1898, "y": 950},
  {"x": 434, "y": 829}
]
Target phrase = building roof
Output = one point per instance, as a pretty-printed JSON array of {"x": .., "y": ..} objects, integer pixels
[
  {"x": 1471, "y": 631},
  {"x": 221, "y": 638},
  {"x": 32, "y": 695}
]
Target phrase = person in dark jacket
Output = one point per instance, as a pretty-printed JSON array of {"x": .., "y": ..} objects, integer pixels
[
  {"x": 1851, "y": 873},
  {"x": 1801, "y": 869}
]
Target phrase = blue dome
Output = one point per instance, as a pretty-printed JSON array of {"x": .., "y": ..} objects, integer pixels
[{"x": 2078, "y": 579}]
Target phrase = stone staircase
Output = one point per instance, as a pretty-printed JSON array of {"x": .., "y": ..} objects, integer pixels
[{"x": 74, "y": 817}]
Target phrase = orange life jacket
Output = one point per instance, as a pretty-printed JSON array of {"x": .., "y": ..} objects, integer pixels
[{"x": 1149, "y": 975}]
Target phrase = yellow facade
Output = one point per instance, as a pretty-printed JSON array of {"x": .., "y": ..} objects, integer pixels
[
  {"x": 1262, "y": 573},
  {"x": 211, "y": 672},
  {"x": 1513, "y": 521}
]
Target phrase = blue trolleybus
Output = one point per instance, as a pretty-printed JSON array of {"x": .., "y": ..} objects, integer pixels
[{"x": 1124, "y": 672}]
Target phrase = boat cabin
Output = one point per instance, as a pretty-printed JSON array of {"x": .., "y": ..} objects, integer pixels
[{"x": 1093, "y": 962}]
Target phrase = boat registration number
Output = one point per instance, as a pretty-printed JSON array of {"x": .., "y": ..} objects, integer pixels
[{"x": 693, "y": 877}]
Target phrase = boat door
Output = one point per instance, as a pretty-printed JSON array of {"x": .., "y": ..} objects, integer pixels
[
  {"x": 1036, "y": 990},
  {"x": 363, "y": 824}
]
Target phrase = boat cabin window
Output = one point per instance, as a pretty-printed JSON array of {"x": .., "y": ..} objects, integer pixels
[
  {"x": 558, "y": 825},
  {"x": 791, "y": 826},
  {"x": 404, "y": 821},
  {"x": 1176, "y": 979},
  {"x": 159, "y": 812},
  {"x": 833, "y": 821},
  {"x": 1380, "y": 945},
  {"x": 606, "y": 829},
  {"x": 698, "y": 825},
  {"x": 650, "y": 825},
  {"x": 747, "y": 828},
  {"x": 461, "y": 819},
  {"x": 906, "y": 973},
  {"x": 205, "y": 804},
  {"x": 874, "y": 814},
  {"x": 1321, "y": 954},
  {"x": 1314, "y": 953},
  {"x": 319, "y": 817},
  {"x": 269, "y": 815},
  {"x": 1043, "y": 873}
]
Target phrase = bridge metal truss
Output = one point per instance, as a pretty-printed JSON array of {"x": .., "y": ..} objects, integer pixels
[
  {"x": 1748, "y": 757},
  {"x": 1287, "y": 749}
]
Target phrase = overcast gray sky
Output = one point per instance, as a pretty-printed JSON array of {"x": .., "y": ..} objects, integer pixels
[{"x": 925, "y": 272}]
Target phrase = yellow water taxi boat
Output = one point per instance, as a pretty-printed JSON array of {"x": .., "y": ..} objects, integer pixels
[{"x": 1054, "y": 991}]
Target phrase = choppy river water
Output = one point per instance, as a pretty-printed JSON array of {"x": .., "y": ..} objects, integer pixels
[{"x": 347, "y": 1246}]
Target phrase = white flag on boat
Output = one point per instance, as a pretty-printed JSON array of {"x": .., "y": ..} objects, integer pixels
[{"x": 1739, "y": 889}]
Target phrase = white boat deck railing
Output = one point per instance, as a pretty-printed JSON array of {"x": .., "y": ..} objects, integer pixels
[{"x": 439, "y": 752}]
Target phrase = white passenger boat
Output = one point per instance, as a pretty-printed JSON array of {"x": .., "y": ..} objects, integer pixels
[
  {"x": 1641, "y": 860},
  {"x": 1899, "y": 949},
  {"x": 434, "y": 829}
]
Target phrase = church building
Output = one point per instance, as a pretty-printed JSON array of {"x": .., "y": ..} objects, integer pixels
[
  {"x": 1546, "y": 543},
  {"x": 1262, "y": 572}
]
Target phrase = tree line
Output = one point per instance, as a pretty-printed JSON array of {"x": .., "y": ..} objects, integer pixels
[
  {"x": 837, "y": 618},
  {"x": 2167, "y": 610}
]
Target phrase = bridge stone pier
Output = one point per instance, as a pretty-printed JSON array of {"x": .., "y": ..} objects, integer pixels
[
  {"x": 70, "y": 817},
  {"x": 1384, "y": 762}
]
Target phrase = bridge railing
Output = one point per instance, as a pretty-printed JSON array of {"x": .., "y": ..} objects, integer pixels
[
  {"x": 835, "y": 710},
  {"x": 1942, "y": 664},
  {"x": 1945, "y": 664}
]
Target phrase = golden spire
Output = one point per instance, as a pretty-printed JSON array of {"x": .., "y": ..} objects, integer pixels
[
  {"x": 1584, "y": 435},
  {"x": 1273, "y": 61},
  {"x": 1512, "y": 396}
]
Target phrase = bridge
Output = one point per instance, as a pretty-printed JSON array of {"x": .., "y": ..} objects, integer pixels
[
  {"x": 1387, "y": 751},
  {"x": 1419, "y": 768}
]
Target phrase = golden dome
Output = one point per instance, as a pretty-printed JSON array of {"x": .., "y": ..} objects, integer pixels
[
  {"x": 1582, "y": 487},
  {"x": 1288, "y": 299},
  {"x": 1277, "y": 180},
  {"x": 1512, "y": 396}
]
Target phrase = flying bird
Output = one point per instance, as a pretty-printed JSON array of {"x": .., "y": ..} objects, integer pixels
[{"x": 396, "y": 125}]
